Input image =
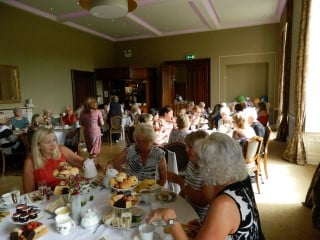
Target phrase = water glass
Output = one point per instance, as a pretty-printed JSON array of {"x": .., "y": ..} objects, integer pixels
[
  {"x": 42, "y": 187},
  {"x": 15, "y": 195}
]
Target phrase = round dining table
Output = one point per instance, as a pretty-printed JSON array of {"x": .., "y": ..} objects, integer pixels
[{"x": 98, "y": 198}]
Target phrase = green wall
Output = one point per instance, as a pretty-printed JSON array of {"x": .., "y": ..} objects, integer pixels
[{"x": 45, "y": 53}]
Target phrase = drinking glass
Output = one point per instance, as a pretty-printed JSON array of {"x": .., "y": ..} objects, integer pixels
[
  {"x": 15, "y": 195},
  {"x": 42, "y": 187},
  {"x": 126, "y": 221}
]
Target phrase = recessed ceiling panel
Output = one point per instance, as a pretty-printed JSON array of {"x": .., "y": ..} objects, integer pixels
[
  {"x": 169, "y": 16},
  {"x": 238, "y": 11},
  {"x": 54, "y": 7}
]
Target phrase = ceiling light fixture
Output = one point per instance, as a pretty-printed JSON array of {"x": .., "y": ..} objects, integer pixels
[{"x": 109, "y": 8}]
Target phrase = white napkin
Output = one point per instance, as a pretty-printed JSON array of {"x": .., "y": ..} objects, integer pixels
[{"x": 173, "y": 167}]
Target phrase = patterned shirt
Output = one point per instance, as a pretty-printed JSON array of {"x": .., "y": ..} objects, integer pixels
[
  {"x": 150, "y": 170},
  {"x": 195, "y": 181},
  {"x": 250, "y": 227}
]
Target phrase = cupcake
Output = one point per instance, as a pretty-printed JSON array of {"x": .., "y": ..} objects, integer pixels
[
  {"x": 20, "y": 207},
  {"x": 16, "y": 217},
  {"x": 24, "y": 217}
]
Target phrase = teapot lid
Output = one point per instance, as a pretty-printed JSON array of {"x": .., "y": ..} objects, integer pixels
[{"x": 90, "y": 213}]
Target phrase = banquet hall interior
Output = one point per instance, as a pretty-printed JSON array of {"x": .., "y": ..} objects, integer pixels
[{"x": 53, "y": 57}]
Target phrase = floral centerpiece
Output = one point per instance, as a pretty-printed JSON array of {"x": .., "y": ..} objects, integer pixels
[{"x": 78, "y": 184}]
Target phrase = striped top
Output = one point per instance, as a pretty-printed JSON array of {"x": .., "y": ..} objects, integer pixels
[
  {"x": 195, "y": 181},
  {"x": 8, "y": 141},
  {"x": 150, "y": 170}
]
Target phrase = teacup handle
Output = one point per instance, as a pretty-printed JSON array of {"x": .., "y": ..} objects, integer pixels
[{"x": 73, "y": 223}]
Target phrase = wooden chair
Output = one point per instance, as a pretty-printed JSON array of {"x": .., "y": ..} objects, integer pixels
[
  {"x": 179, "y": 149},
  {"x": 264, "y": 153},
  {"x": 116, "y": 127},
  {"x": 82, "y": 148},
  {"x": 26, "y": 139},
  {"x": 128, "y": 133},
  {"x": 3, "y": 159},
  {"x": 252, "y": 157}
]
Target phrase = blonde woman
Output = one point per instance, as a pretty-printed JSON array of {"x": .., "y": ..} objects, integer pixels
[{"x": 45, "y": 157}]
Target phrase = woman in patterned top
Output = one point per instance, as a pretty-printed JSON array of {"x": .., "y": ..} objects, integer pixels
[
  {"x": 143, "y": 159},
  {"x": 233, "y": 212},
  {"x": 192, "y": 185}
]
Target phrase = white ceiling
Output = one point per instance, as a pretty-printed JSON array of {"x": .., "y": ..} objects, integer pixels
[{"x": 157, "y": 18}]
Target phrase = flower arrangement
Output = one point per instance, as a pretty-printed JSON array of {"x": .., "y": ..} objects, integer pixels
[{"x": 77, "y": 184}]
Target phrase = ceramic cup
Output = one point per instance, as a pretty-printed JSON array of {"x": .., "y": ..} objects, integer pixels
[
  {"x": 64, "y": 224},
  {"x": 63, "y": 211},
  {"x": 6, "y": 199},
  {"x": 146, "y": 231}
]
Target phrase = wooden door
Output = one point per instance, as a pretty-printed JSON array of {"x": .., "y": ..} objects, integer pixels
[
  {"x": 167, "y": 85},
  {"x": 83, "y": 86},
  {"x": 198, "y": 81}
]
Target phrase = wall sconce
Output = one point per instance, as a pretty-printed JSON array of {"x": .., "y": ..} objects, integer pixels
[{"x": 127, "y": 53}]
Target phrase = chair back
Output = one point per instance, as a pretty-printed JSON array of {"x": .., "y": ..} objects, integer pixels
[
  {"x": 266, "y": 139},
  {"x": 116, "y": 123},
  {"x": 179, "y": 149},
  {"x": 253, "y": 149},
  {"x": 3, "y": 159}
]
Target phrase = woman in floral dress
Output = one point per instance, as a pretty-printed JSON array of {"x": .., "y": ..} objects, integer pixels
[{"x": 92, "y": 121}]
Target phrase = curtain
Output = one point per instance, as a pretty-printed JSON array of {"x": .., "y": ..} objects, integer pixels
[
  {"x": 284, "y": 77},
  {"x": 295, "y": 151}
]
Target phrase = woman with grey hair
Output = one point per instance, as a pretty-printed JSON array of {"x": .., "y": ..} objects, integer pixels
[
  {"x": 233, "y": 212},
  {"x": 143, "y": 159}
]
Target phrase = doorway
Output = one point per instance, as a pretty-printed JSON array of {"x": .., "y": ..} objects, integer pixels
[{"x": 184, "y": 81}]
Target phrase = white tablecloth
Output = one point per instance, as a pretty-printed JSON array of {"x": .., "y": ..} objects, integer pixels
[
  {"x": 184, "y": 211},
  {"x": 61, "y": 134}
]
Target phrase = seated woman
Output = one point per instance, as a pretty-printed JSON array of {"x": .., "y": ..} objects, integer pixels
[
  {"x": 18, "y": 120},
  {"x": 242, "y": 129},
  {"x": 143, "y": 159},
  {"x": 167, "y": 124},
  {"x": 8, "y": 141},
  {"x": 225, "y": 122},
  {"x": 45, "y": 157},
  {"x": 233, "y": 213},
  {"x": 69, "y": 118},
  {"x": 263, "y": 114},
  {"x": 192, "y": 185},
  {"x": 178, "y": 134}
]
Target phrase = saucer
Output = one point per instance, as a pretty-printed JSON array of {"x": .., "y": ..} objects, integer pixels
[{"x": 156, "y": 236}]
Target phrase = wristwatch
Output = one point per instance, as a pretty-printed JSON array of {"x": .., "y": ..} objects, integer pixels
[{"x": 171, "y": 222}]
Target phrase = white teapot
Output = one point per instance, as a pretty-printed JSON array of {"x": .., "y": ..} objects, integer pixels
[
  {"x": 89, "y": 168},
  {"x": 90, "y": 219},
  {"x": 110, "y": 173}
]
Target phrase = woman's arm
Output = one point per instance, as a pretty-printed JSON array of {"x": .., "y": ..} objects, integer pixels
[
  {"x": 118, "y": 161},
  {"x": 72, "y": 158},
  {"x": 162, "y": 172},
  {"x": 223, "y": 218},
  {"x": 200, "y": 197},
  {"x": 165, "y": 214},
  {"x": 28, "y": 176}
]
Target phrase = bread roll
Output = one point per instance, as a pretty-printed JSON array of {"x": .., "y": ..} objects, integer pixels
[
  {"x": 112, "y": 182},
  {"x": 74, "y": 171},
  {"x": 134, "y": 180},
  {"x": 126, "y": 184}
]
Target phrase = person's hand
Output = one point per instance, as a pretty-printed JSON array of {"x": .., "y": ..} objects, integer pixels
[
  {"x": 171, "y": 176},
  {"x": 175, "y": 178},
  {"x": 161, "y": 214},
  {"x": 193, "y": 227}
]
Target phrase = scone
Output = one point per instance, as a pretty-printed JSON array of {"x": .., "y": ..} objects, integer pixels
[{"x": 134, "y": 180}]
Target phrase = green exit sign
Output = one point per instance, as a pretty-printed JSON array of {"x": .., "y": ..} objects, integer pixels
[{"x": 190, "y": 56}]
